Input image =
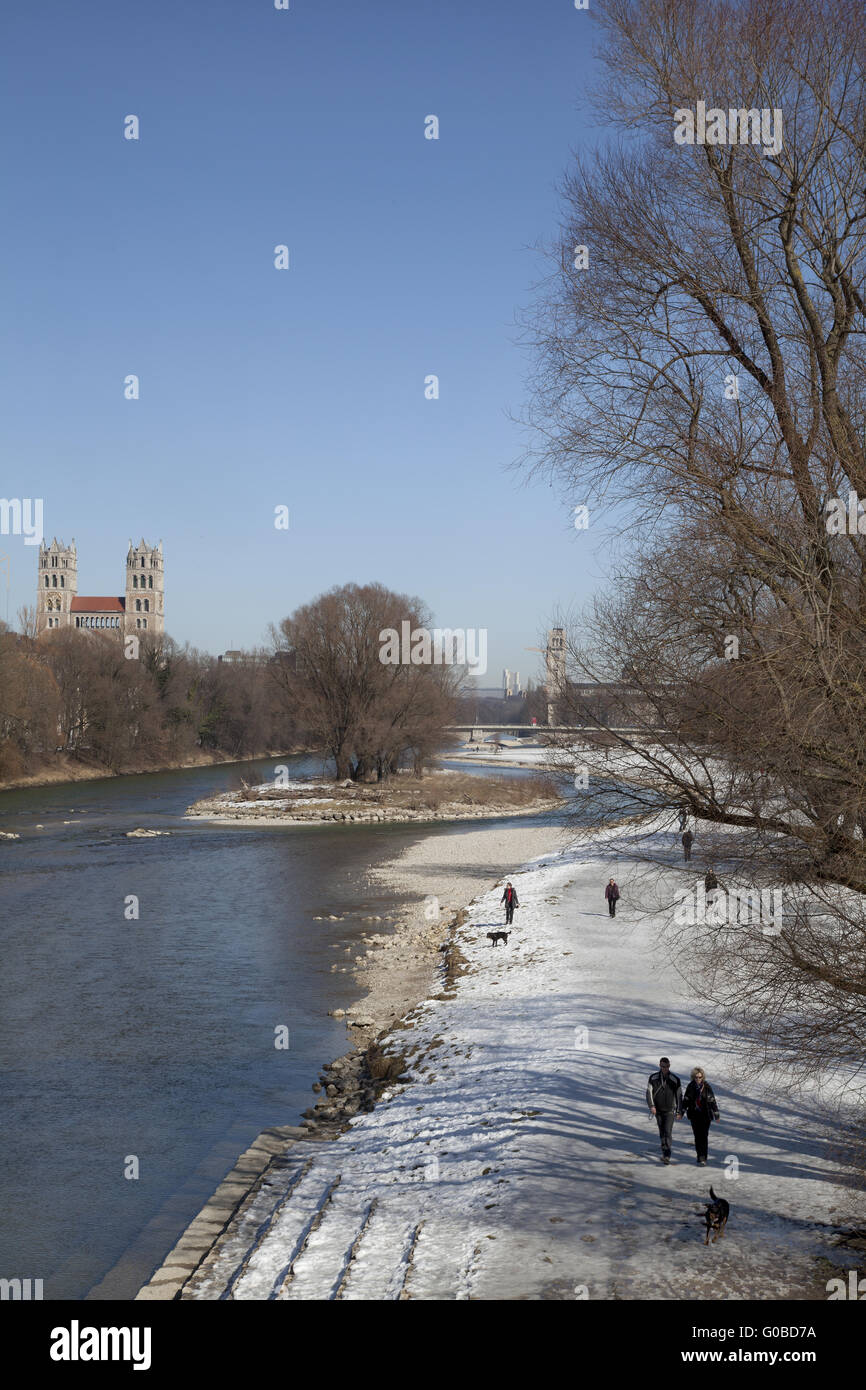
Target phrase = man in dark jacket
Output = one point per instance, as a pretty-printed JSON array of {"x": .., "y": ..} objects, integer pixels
[
  {"x": 611, "y": 892},
  {"x": 688, "y": 840},
  {"x": 509, "y": 897},
  {"x": 699, "y": 1103},
  {"x": 664, "y": 1096}
]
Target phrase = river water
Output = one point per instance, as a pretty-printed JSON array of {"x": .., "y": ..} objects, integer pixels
[{"x": 151, "y": 1041}]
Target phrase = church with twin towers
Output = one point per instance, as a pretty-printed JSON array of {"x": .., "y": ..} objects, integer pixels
[{"x": 140, "y": 609}]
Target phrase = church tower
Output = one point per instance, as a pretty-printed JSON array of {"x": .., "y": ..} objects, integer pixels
[
  {"x": 57, "y": 584},
  {"x": 555, "y": 682},
  {"x": 145, "y": 589}
]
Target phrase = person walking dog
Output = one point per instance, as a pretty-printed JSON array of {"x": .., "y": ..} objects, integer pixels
[
  {"x": 664, "y": 1096},
  {"x": 611, "y": 892},
  {"x": 509, "y": 897},
  {"x": 699, "y": 1103}
]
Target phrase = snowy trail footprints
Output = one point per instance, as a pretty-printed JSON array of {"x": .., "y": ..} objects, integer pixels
[
  {"x": 382, "y": 1259},
  {"x": 359, "y": 1232},
  {"x": 267, "y": 1268},
  {"x": 228, "y": 1258}
]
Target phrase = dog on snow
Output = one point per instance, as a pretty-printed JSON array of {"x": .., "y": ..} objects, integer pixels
[
  {"x": 716, "y": 1217},
  {"x": 497, "y": 936}
]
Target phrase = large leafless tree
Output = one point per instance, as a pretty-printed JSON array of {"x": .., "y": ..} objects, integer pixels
[
  {"x": 370, "y": 714},
  {"x": 700, "y": 366}
]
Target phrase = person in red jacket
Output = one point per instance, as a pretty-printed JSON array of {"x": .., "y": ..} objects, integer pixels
[
  {"x": 509, "y": 897},
  {"x": 611, "y": 892}
]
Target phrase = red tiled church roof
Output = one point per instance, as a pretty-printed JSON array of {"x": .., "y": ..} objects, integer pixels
[{"x": 97, "y": 605}]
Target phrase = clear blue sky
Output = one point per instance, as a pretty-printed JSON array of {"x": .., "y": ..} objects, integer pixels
[{"x": 305, "y": 387}]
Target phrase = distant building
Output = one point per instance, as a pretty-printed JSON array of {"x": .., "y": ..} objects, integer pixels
[
  {"x": 508, "y": 690},
  {"x": 141, "y": 608},
  {"x": 554, "y": 660},
  {"x": 615, "y": 704},
  {"x": 235, "y": 657}
]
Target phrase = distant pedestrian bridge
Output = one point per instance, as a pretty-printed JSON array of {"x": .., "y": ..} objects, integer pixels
[{"x": 530, "y": 732}]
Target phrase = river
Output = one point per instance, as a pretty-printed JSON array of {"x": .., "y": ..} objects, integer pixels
[{"x": 148, "y": 1044}]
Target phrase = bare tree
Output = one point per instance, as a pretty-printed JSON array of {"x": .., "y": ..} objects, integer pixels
[
  {"x": 366, "y": 711},
  {"x": 700, "y": 363},
  {"x": 27, "y": 622},
  {"x": 29, "y": 703}
]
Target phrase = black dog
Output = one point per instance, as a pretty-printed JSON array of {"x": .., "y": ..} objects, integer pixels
[
  {"x": 497, "y": 936},
  {"x": 716, "y": 1217}
]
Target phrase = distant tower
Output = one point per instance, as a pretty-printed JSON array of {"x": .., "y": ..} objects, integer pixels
[
  {"x": 145, "y": 589},
  {"x": 57, "y": 584},
  {"x": 555, "y": 664}
]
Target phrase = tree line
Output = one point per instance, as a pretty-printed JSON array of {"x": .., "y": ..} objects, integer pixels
[
  {"x": 75, "y": 694},
  {"x": 320, "y": 684}
]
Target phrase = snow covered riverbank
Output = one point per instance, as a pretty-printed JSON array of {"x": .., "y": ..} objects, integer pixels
[{"x": 517, "y": 1158}]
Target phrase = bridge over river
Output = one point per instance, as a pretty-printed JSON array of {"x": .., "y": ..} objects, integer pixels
[{"x": 528, "y": 732}]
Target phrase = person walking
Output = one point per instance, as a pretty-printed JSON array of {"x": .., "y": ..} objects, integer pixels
[
  {"x": 664, "y": 1096},
  {"x": 509, "y": 897},
  {"x": 611, "y": 892},
  {"x": 699, "y": 1103},
  {"x": 688, "y": 840}
]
